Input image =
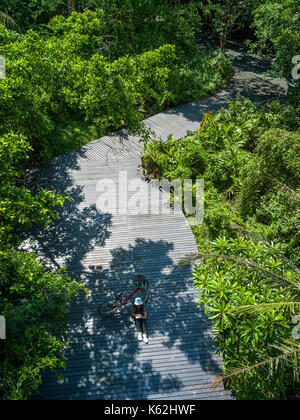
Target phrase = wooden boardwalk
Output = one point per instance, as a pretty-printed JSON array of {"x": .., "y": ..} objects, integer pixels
[{"x": 104, "y": 250}]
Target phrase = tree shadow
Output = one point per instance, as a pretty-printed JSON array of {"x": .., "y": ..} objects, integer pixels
[
  {"x": 256, "y": 88},
  {"x": 79, "y": 229},
  {"x": 105, "y": 360}
]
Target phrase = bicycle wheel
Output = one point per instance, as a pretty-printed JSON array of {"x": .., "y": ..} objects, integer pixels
[{"x": 108, "y": 307}]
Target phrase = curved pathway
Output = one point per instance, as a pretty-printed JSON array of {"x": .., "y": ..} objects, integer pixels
[{"x": 104, "y": 250}]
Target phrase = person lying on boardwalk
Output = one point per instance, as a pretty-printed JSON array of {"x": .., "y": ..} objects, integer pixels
[{"x": 139, "y": 315}]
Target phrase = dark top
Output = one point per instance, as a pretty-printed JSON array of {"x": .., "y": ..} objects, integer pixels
[{"x": 142, "y": 311}]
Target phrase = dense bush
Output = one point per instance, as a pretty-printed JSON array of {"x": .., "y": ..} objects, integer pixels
[
  {"x": 34, "y": 304},
  {"x": 29, "y": 13},
  {"x": 62, "y": 77},
  {"x": 239, "y": 274},
  {"x": 32, "y": 299},
  {"x": 50, "y": 82},
  {"x": 139, "y": 26},
  {"x": 116, "y": 94},
  {"x": 225, "y": 17},
  {"x": 276, "y": 163},
  {"x": 277, "y": 30},
  {"x": 19, "y": 208},
  {"x": 277, "y": 24},
  {"x": 132, "y": 24},
  {"x": 248, "y": 156}
]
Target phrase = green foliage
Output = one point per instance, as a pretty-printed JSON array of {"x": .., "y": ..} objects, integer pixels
[
  {"x": 248, "y": 156},
  {"x": 116, "y": 94},
  {"x": 134, "y": 24},
  {"x": 270, "y": 184},
  {"x": 200, "y": 73},
  {"x": 224, "y": 17},
  {"x": 250, "y": 164},
  {"x": 31, "y": 13},
  {"x": 136, "y": 27},
  {"x": 277, "y": 30},
  {"x": 278, "y": 23},
  {"x": 81, "y": 34},
  {"x": 49, "y": 83},
  {"x": 33, "y": 302},
  {"x": 74, "y": 72},
  {"x": 19, "y": 208}
]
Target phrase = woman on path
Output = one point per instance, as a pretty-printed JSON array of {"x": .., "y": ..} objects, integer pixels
[{"x": 139, "y": 315}]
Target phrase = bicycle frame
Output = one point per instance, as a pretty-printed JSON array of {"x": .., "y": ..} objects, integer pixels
[
  {"x": 122, "y": 300},
  {"x": 110, "y": 305},
  {"x": 126, "y": 299}
]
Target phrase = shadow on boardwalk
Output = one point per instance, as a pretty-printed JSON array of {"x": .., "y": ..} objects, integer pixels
[
  {"x": 105, "y": 360},
  {"x": 66, "y": 241}
]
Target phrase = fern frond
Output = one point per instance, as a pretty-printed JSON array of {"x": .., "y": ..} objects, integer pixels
[
  {"x": 262, "y": 308},
  {"x": 274, "y": 277},
  {"x": 271, "y": 362},
  {"x": 262, "y": 238}
]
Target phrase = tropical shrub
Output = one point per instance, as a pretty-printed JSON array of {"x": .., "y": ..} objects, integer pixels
[
  {"x": 248, "y": 156},
  {"x": 277, "y": 30},
  {"x": 49, "y": 83},
  {"x": 251, "y": 294},
  {"x": 66, "y": 75},
  {"x": 19, "y": 208},
  {"x": 277, "y": 25},
  {"x": 137, "y": 27},
  {"x": 33, "y": 300},
  {"x": 32, "y": 13},
  {"x": 34, "y": 304},
  {"x": 270, "y": 184},
  {"x": 226, "y": 17},
  {"x": 116, "y": 94}
]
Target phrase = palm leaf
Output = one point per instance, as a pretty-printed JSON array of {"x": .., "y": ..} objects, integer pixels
[
  {"x": 261, "y": 238},
  {"x": 274, "y": 277},
  {"x": 262, "y": 308}
]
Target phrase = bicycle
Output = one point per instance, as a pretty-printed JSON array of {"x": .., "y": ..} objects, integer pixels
[{"x": 111, "y": 305}]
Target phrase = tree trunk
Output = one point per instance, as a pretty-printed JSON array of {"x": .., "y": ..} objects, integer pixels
[
  {"x": 222, "y": 43},
  {"x": 71, "y": 6}
]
